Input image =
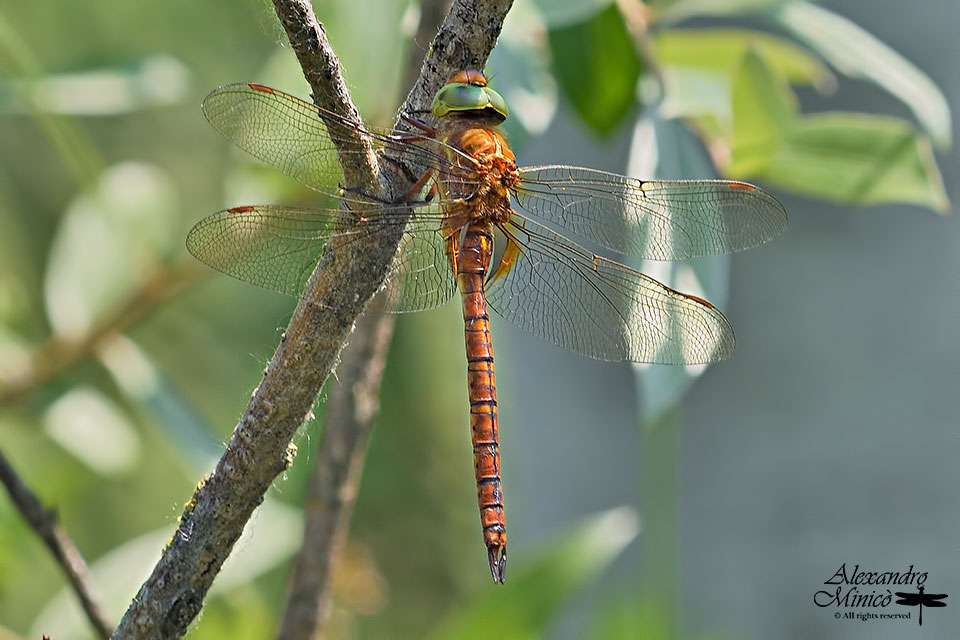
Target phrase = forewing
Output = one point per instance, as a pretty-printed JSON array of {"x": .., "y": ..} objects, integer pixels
[
  {"x": 279, "y": 129},
  {"x": 278, "y": 248},
  {"x": 653, "y": 219},
  {"x": 298, "y": 138},
  {"x": 566, "y": 295}
]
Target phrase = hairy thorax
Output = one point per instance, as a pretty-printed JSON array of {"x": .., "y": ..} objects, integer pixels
[{"x": 489, "y": 176}]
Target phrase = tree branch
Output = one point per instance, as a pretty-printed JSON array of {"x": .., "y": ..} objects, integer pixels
[
  {"x": 336, "y": 293},
  {"x": 351, "y": 409},
  {"x": 44, "y": 522}
]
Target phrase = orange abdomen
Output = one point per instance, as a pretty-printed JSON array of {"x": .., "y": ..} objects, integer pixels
[{"x": 473, "y": 262}]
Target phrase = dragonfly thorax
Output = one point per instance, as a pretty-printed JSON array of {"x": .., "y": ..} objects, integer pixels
[{"x": 489, "y": 171}]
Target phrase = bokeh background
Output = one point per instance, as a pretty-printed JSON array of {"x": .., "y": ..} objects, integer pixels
[{"x": 642, "y": 501}]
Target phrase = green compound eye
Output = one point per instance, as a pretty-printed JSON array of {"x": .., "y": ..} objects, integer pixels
[{"x": 467, "y": 97}]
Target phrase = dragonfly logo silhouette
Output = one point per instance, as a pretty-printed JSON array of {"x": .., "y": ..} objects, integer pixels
[{"x": 921, "y": 600}]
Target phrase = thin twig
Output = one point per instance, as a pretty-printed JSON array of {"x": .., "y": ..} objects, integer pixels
[
  {"x": 45, "y": 524},
  {"x": 59, "y": 353},
  {"x": 351, "y": 408},
  {"x": 343, "y": 282}
]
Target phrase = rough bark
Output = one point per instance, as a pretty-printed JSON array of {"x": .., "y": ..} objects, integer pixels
[{"x": 337, "y": 292}]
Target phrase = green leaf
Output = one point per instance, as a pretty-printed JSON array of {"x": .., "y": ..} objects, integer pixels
[
  {"x": 557, "y": 13},
  {"x": 633, "y": 617},
  {"x": 667, "y": 11},
  {"x": 858, "y": 159},
  {"x": 858, "y": 54},
  {"x": 520, "y": 67},
  {"x": 536, "y": 592},
  {"x": 597, "y": 67},
  {"x": 155, "y": 81},
  {"x": 95, "y": 430},
  {"x": 723, "y": 50},
  {"x": 138, "y": 376},
  {"x": 73, "y": 146},
  {"x": 701, "y": 96},
  {"x": 763, "y": 108},
  {"x": 109, "y": 240}
]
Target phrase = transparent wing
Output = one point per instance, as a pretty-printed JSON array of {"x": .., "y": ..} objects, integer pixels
[
  {"x": 278, "y": 247},
  {"x": 422, "y": 276},
  {"x": 654, "y": 219},
  {"x": 298, "y": 138},
  {"x": 600, "y": 308}
]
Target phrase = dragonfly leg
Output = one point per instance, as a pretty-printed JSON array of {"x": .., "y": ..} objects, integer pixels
[
  {"x": 431, "y": 132},
  {"x": 418, "y": 186},
  {"x": 363, "y": 194},
  {"x": 418, "y": 183}
]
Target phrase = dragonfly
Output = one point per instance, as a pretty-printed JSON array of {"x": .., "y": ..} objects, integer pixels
[
  {"x": 506, "y": 237},
  {"x": 921, "y": 600}
]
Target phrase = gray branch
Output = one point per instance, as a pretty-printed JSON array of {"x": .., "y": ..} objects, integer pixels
[
  {"x": 44, "y": 522},
  {"x": 337, "y": 292},
  {"x": 352, "y": 407}
]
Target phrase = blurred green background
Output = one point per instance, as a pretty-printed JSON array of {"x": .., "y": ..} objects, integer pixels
[{"x": 641, "y": 501}]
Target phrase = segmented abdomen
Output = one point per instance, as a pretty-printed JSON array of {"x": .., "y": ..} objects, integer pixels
[{"x": 473, "y": 263}]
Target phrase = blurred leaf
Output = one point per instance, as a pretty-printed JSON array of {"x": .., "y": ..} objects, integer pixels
[
  {"x": 156, "y": 81},
  {"x": 858, "y": 54},
  {"x": 558, "y": 13},
  {"x": 519, "y": 68},
  {"x": 723, "y": 50},
  {"x": 847, "y": 157},
  {"x": 75, "y": 149},
  {"x": 597, "y": 67},
  {"x": 95, "y": 430},
  {"x": 107, "y": 242},
  {"x": 246, "y": 614},
  {"x": 135, "y": 373},
  {"x": 633, "y": 617},
  {"x": 271, "y": 536},
  {"x": 762, "y": 109},
  {"x": 667, "y": 11},
  {"x": 536, "y": 592},
  {"x": 696, "y": 93},
  {"x": 858, "y": 159},
  {"x": 666, "y": 149}
]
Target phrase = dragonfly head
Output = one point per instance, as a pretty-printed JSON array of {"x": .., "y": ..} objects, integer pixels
[{"x": 467, "y": 93}]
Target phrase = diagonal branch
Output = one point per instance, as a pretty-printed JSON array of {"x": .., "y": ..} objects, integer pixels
[
  {"x": 44, "y": 522},
  {"x": 339, "y": 289},
  {"x": 351, "y": 409}
]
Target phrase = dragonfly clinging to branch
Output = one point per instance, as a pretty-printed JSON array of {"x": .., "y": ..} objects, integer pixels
[{"x": 544, "y": 282}]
